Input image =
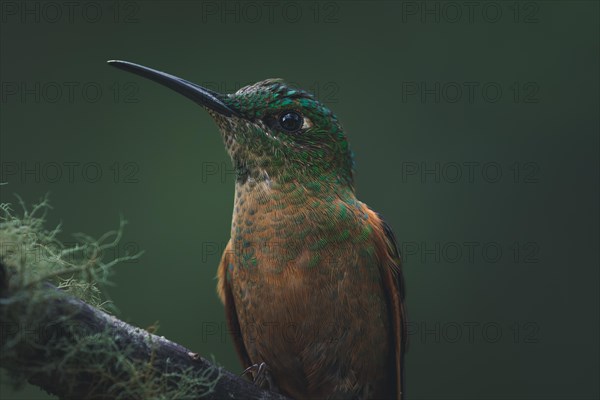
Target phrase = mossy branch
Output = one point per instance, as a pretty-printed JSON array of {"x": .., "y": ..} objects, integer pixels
[
  {"x": 52, "y": 338},
  {"x": 75, "y": 351}
]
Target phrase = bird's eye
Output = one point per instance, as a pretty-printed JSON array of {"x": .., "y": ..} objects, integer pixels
[{"x": 291, "y": 121}]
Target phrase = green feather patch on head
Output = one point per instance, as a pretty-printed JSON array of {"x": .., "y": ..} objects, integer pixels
[{"x": 265, "y": 150}]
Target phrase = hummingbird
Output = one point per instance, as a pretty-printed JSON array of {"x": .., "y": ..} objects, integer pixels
[{"x": 311, "y": 277}]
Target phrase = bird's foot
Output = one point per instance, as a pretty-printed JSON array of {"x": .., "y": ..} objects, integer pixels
[{"x": 261, "y": 376}]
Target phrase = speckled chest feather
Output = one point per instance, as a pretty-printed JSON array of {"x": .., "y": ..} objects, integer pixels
[{"x": 306, "y": 283}]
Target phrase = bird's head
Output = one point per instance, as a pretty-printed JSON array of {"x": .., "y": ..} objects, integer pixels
[{"x": 271, "y": 130}]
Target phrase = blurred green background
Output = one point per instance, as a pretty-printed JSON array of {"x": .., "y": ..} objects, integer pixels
[{"x": 475, "y": 127}]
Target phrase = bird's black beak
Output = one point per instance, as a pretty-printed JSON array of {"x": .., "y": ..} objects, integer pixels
[{"x": 205, "y": 97}]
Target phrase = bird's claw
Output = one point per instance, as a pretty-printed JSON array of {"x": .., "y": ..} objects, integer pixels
[{"x": 261, "y": 375}]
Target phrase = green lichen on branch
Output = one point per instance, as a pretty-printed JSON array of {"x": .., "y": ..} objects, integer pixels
[
  {"x": 70, "y": 348},
  {"x": 33, "y": 255}
]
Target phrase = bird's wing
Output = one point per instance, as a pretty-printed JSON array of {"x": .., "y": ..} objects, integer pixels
[
  {"x": 224, "y": 276},
  {"x": 394, "y": 285}
]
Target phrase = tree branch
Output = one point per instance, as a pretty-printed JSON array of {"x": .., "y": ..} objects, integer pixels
[{"x": 75, "y": 351}]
